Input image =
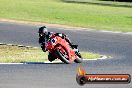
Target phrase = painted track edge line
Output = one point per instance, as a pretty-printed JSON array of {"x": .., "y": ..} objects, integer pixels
[
  {"x": 101, "y": 58},
  {"x": 48, "y": 62},
  {"x": 11, "y": 63},
  {"x": 18, "y": 45},
  {"x": 59, "y": 26}
]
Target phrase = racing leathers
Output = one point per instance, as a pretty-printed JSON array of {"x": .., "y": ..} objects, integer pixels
[{"x": 44, "y": 39}]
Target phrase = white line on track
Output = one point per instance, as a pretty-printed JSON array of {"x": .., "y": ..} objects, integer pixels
[
  {"x": 48, "y": 62},
  {"x": 116, "y": 32},
  {"x": 11, "y": 63}
]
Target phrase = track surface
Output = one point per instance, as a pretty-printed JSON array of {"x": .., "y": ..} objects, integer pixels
[{"x": 119, "y": 46}]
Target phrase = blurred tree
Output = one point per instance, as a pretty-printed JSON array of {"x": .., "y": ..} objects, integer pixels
[{"x": 119, "y": 0}]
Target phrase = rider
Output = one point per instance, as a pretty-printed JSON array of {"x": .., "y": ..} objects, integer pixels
[{"x": 45, "y": 36}]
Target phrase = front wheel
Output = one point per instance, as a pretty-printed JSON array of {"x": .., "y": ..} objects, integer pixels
[{"x": 62, "y": 56}]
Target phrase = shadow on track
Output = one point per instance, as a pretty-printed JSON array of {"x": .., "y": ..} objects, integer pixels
[{"x": 42, "y": 62}]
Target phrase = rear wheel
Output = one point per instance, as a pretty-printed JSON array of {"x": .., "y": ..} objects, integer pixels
[{"x": 63, "y": 56}]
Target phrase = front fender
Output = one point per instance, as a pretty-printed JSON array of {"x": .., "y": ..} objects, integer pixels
[{"x": 71, "y": 53}]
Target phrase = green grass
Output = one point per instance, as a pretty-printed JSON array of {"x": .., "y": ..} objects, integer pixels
[
  {"x": 74, "y": 14},
  {"x": 90, "y": 55},
  {"x": 102, "y": 2},
  {"x": 21, "y": 54},
  {"x": 14, "y": 54}
]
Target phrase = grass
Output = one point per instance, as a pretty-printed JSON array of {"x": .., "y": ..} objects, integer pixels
[
  {"x": 90, "y": 55},
  {"x": 97, "y": 17},
  {"x": 20, "y": 54},
  {"x": 15, "y": 54},
  {"x": 102, "y": 2}
]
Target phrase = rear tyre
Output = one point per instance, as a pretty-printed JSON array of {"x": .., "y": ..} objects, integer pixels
[{"x": 62, "y": 57}]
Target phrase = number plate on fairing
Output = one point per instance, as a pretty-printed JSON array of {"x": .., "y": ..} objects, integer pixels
[{"x": 53, "y": 41}]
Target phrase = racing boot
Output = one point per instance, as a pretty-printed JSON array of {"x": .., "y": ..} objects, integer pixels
[{"x": 51, "y": 57}]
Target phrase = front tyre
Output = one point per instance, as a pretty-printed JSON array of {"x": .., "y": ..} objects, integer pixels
[{"x": 62, "y": 56}]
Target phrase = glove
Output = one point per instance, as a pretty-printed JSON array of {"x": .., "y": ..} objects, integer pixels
[{"x": 63, "y": 36}]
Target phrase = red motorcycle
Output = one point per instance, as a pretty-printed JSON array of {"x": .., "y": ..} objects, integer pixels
[{"x": 61, "y": 49}]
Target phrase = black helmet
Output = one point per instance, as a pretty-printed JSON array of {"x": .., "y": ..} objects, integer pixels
[{"x": 43, "y": 30}]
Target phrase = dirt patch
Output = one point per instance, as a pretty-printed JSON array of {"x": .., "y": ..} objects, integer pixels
[{"x": 40, "y": 23}]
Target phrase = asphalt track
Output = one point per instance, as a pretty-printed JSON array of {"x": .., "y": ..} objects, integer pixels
[{"x": 117, "y": 45}]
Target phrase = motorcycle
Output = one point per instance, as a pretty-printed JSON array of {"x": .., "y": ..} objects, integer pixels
[{"x": 61, "y": 49}]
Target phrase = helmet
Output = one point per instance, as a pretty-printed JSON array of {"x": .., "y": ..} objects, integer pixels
[{"x": 43, "y": 31}]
